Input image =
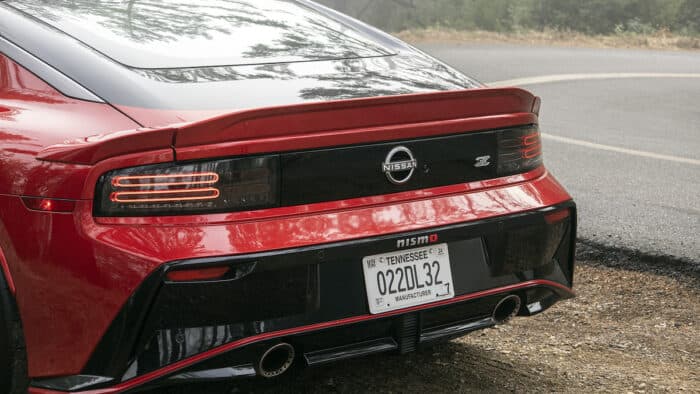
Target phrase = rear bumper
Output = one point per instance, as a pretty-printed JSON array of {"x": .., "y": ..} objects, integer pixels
[{"x": 174, "y": 332}]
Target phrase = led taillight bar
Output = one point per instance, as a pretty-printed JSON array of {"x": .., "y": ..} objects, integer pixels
[
  {"x": 531, "y": 146},
  {"x": 531, "y": 152},
  {"x": 519, "y": 150},
  {"x": 531, "y": 139},
  {"x": 130, "y": 197},
  {"x": 207, "y": 178},
  {"x": 165, "y": 188}
]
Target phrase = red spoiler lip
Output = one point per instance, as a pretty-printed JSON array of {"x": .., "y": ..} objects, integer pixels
[{"x": 298, "y": 120}]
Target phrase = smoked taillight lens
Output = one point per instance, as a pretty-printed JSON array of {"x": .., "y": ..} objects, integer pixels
[
  {"x": 519, "y": 150},
  {"x": 192, "y": 188}
]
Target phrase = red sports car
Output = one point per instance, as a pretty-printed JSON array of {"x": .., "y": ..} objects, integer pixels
[{"x": 197, "y": 191}]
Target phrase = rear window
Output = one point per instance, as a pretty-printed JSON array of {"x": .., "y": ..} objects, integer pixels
[{"x": 203, "y": 33}]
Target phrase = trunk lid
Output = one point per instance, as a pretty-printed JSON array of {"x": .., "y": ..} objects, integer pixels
[{"x": 315, "y": 125}]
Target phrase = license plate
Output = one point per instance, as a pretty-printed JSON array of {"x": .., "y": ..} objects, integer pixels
[{"x": 408, "y": 278}]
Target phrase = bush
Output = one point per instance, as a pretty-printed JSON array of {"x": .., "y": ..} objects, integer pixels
[{"x": 584, "y": 16}]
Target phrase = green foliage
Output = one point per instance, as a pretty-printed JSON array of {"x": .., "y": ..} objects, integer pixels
[
  {"x": 688, "y": 20},
  {"x": 586, "y": 16}
]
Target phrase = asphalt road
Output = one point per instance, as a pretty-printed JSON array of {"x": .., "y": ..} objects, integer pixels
[{"x": 627, "y": 146}]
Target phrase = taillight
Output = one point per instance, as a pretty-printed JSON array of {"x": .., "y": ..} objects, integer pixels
[
  {"x": 49, "y": 204},
  {"x": 194, "y": 275},
  {"x": 557, "y": 216},
  {"x": 519, "y": 150},
  {"x": 176, "y": 189}
]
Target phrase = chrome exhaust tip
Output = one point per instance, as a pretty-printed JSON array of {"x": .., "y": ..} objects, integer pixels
[
  {"x": 506, "y": 309},
  {"x": 276, "y": 360}
]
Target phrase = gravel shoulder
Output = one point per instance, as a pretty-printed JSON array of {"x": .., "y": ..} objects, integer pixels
[{"x": 634, "y": 327}]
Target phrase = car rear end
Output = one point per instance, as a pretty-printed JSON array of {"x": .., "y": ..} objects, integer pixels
[
  {"x": 181, "y": 207},
  {"x": 244, "y": 245}
]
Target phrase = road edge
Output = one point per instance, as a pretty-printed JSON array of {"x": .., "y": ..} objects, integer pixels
[{"x": 631, "y": 259}]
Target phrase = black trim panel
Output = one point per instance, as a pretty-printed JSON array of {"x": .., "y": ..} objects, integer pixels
[
  {"x": 48, "y": 74},
  {"x": 356, "y": 171}
]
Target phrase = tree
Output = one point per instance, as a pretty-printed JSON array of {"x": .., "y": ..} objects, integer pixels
[
  {"x": 587, "y": 16},
  {"x": 689, "y": 16}
]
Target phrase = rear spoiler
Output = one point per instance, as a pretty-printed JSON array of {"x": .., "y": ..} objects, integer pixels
[{"x": 302, "y": 120}]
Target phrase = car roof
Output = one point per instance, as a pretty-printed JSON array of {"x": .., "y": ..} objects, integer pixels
[
  {"x": 160, "y": 34},
  {"x": 336, "y": 67}
]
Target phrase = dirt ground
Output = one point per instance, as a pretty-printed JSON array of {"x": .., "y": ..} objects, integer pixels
[{"x": 634, "y": 328}]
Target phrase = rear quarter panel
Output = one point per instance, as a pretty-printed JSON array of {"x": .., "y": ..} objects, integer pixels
[{"x": 34, "y": 115}]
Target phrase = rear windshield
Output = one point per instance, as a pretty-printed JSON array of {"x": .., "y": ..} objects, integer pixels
[{"x": 178, "y": 33}]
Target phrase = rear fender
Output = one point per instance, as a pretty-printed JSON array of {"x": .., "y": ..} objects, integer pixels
[{"x": 5, "y": 270}]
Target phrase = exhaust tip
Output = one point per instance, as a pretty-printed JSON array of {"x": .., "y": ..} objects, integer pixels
[
  {"x": 276, "y": 360},
  {"x": 506, "y": 309}
]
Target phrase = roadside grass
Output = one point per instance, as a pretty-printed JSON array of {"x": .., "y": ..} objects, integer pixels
[{"x": 661, "y": 39}]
